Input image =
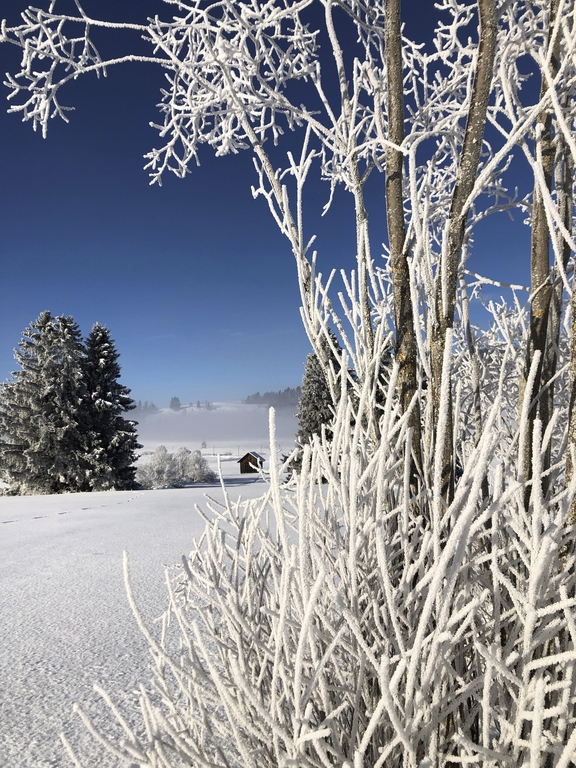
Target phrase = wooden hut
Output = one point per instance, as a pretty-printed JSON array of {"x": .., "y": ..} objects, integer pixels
[{"x": 250, "y": 462}]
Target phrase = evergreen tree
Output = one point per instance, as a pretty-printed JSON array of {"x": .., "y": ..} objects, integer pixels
[
  {"x": 316, "y": 407},
  {"x": 285, "y": 398},
  {"x": 145, "y": 408},
  {"x": 43, "y": 424},
  {"x": 113, "y": 439},
  {"x": 175, "y": 404}
]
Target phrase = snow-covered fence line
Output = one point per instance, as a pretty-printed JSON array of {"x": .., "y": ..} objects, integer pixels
[{"x": 340, "y": 620}]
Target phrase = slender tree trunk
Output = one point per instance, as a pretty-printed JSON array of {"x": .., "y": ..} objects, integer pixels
[
  {"x": 563, "y": 182},
  {"x": 540, "y": 285},
  {"x": 568, "y": 176},
  {"x": 476, "y": 385},
  {"x": 363, "y": 268},
  {"x": 571, "y": 519},
  {"x": 406, "y": 349},
  {"x": 448, "y": 273}
]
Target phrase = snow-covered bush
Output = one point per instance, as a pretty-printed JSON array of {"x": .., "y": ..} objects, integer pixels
[
  {"x": 353, "y": 624},
  {"x": 193, "y": 467},
  {"x": 159, "y": 471},
  {"x": 167, "y": 470},
  {"x": 347, "y": 619}
]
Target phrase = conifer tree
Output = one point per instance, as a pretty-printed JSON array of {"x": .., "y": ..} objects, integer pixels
[
  {"x": 113, "y": 439},
  {"x": 315, "y": 407},
  {"x": 43, "y": 424}
]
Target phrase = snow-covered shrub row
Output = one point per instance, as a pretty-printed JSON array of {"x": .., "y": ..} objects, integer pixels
[{"x": 167, "y": 470}]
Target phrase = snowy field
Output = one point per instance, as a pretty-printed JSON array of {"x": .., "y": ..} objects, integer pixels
[{"x": 66, "y": 623}]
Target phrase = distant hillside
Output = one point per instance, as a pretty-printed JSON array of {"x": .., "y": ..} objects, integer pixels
[{"x": 286, "y": 398}]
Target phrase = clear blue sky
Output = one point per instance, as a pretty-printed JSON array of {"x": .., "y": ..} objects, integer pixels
[{"x": 193, "y": 279}]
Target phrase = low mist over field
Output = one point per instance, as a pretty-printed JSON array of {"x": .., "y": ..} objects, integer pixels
[{"x": 222, "y": 427}]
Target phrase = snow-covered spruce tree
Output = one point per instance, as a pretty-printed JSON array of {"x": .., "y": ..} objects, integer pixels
[
  {"x": 399, "y": 616},
  {"x": 316, "y": 406},
  {"x": 113, "y": 441},
  {"x": 44, "y": 430}
]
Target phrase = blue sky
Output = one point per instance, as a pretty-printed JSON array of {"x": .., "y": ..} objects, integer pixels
[{"x": 193, "y": 279}]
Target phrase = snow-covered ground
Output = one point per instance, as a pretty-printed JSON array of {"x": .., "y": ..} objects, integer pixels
[{"x": 65, "y": 619}]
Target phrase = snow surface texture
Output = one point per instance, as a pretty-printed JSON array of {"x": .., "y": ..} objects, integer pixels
[{"x": 66, "y": 623}]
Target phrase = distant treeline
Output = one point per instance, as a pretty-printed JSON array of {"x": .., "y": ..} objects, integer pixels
[
  {"x": 144, "y": 409},
  {"x": 286, "y": 398}
]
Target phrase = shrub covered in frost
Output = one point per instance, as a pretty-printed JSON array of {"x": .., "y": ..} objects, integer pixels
[
  {"x": 167, "y": 470},
  {"x": 192, "y": 467},
  {"x": 352, "y": 623}
]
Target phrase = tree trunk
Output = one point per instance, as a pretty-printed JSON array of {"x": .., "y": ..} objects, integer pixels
[
  {"x": 406, "y": 349},
  {"x": 571, "y": 519},
  {"x": 540, "y": 286},
  {"x": 568, "y": 175},
  {"x": 563, "y": 182},
  {"x": 448, "y": 273},
  {"x": 476, "y": 385},
  {"x": 364, "y": 266}
]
